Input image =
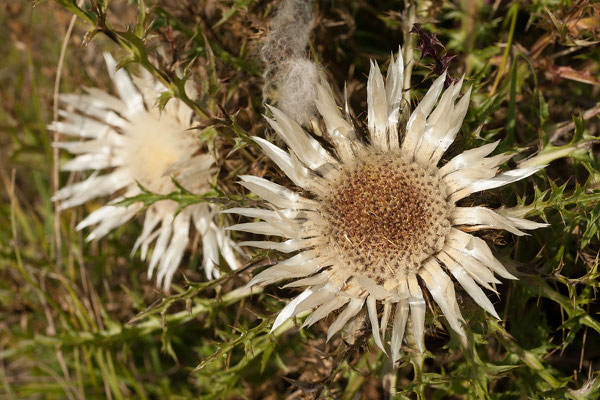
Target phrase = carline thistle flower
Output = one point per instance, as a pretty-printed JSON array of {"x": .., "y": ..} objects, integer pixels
[
  {"x": 378, "y": 222},
  {"x": 141, "y": 145}
]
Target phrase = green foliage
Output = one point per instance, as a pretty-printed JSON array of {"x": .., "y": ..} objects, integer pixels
[{"x": 82, "y": 320}]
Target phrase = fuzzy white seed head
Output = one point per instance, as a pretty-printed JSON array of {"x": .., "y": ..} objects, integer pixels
[
  {"x": 289, "y": 30},
  {"x": 290, "y": 77},
  {"x": 296, "y": 90}
]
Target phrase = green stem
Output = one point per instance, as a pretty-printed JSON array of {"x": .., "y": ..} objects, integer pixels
[
  {"x": 524, "y": 355},
  {"x": 356, "y": 378},
  {"x": 417, "y": 359},
  {"x": 512, "y": 13}
]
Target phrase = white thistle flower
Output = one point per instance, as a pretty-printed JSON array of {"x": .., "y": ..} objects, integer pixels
[
  {"x": 377, "y": 223},
  {"x": 140, "y": 144}
]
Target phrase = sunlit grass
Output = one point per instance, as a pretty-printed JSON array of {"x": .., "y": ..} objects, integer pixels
[{"x": 87, "y": 323}]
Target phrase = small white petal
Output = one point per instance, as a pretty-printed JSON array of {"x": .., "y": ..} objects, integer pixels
[
  {"x": 175, "y": 249},
  {"x": 100, "y": 146},
  {"x": 483, "y": 169},
  {"x": 76, "y": 125},
  {"x": 474, "y": 267},
  {"x": 416, "y": 123},
  {"x": 105, "y": 212},
  {"x": 456, "y": 119},
  {"x": 319, "y": 279},
  {"x": 210, "y": 252},
  {"x": 372, "y": 309},
  {"x": 478, "y": 249},
  {"x": 350, "y": 311},
  {"x": 470, "y": 286},
  {"x": 151, "y": 220},
  {"x": 519, "y": 222},
  {"x": 394, "y": 82},
  {"x": 441, "y": 288},
  {"x": 127, "y": 91},
  {"x": 442, "y": 126},
  {"x": 275, "y": 194},
  {"x": 375, "y": 290},
  {"x": 97, "y": 108},
  {"x": 385, "y": 317},
  {"x": 161, "y": 245},
  {"x": 267, "y": 215},
  {"x": 340, "y": 131},
  {"x": 325, "y": 310},
  {"x": 93, "y": 99},
  {"x": 445, "y": 106},
  {"x": 319, "y": 297},
  {"x": 500, "y": 180},
  {"x": 299, "y": 174},
  {"x": 270, "y": 215},
  {"x": 288, "y": 310},
  {"x": 264, "y": 228},
  {"x": 483, "y": 216},
  {"x": 308, "y": 150},
  {"x": 377, "y": 108},
  {"x": 298, "y": 266},
  {"x": 285, "y": 247},
  {"x": 92, "y": 161},
  {"x": 468, "y": 158},
  {"x": 94, "y": 186},
  {"x": 417, "y": 311},
  {"x": 226, "y": 245},
  {"x": 399, "y": 325},
  {"x": 118, "y": 217}
]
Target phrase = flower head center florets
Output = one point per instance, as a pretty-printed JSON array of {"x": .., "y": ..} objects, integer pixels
[{"x": 386, "y": 215}]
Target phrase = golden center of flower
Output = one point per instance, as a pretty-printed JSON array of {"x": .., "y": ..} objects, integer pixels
[
  {"x": 386, "y": 215},
  {"x": 154, "y": 144}
]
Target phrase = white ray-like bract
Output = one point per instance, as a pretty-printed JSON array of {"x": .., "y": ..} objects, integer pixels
[
  {"x": 377, "y": 223},
  {"x": 127, "y": 141}
]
